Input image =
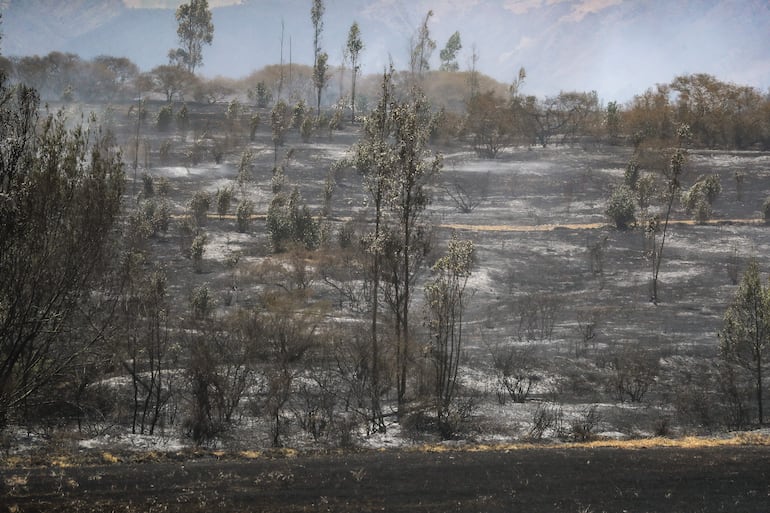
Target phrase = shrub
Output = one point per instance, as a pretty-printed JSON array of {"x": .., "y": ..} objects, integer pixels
[
  {"x": 148, "y": 186},
  {"x": 289, "y": 221},
  {"x": 183, "y": 118},
  {"x": 254, "y": 125},
  {"x": 164, "y": 152},
  {"x": 306, "y": 130},
  {"x": 243, "y": 215},
  {"x": 165, "y": 115},
  {"x": 245, "y": 167},
  {"x": 197, "y": 248},
  {"x": 621, "y": 208},
  {"x": 632, "y": 174},
  {"x": 261, "y": 95},
  {"x": 224, "y": 198},
  {"x": 200, "y": 302},
  {"x": 199, "y": 206}
]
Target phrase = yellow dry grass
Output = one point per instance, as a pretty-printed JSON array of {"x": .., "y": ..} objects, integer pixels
[
  {"x": 688, "y": 442},
  {"x": 109, "y": 458}
]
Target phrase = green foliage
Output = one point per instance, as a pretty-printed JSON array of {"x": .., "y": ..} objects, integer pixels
[
  {"x": 448, "y": 55},
  {"x": 260, "y": 95},
  {"x": 201, "y": 302},
  {"x": 745, "y": 336},
  {"x": 699, "y": 198},
  {"x": 445, "y": 305},
  {"x": 199, "y": 207},
  {"x": 298, "y": 114},
  {"x": 243, "y": 215},
  {"x": 306, "y": 129},
  {"x": 148, "y": 185},
  {"x": 245, "y": 167},
  {"x": 279, "y": 123},
  {"x": 621, "y": 208},
  {"x": 183, "y": 118},
  {"x": 353, "y": 50},
  {"x": 254, "y": 122},
  {"x": 224, "y": 198},
  {"x": 320, "y": 77},
  {"x": 290, "y": 222},
  {"x": 631, "y": 176},
  {"x": 165, "y": 116},
  {"x": 233, "y": 112},
  {"x": 194, "y": 30},
  {"x": 197, "y": 249}
]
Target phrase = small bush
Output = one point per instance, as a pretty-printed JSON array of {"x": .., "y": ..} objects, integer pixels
[
  {"x": 200, "y": 302},
  {"x": 224, "y": 198},
  {"x": 243, "y": 215},
  {"x": 183, "y": 118},
  {"x": 148, "y": 186},
  {"x": 197, "y": 248},
  {"x": 582, "y": 427},
  {"x": 547, "y": 417},
  {"x": 253, "y": 126},
  {"x": 621, "y": 208},
  {"x": 306, "y": 129},
  {"x": 199, "y": 207},
  {"x": 165, "y": 115}
]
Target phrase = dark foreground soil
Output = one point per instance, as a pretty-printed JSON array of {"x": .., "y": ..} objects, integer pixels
[{"x": 729, "y": 479}]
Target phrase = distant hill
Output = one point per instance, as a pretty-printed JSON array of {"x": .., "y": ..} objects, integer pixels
[{"x": 618, "y": 48}]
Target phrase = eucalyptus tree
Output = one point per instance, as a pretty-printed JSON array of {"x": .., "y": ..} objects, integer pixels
[
  {"x": 194, "y": 29},
  {"x": 445, "y": 300},
  {"x": 353, "y": 50},
  {"x": 374, "y": 159},
  {"x": 414, "y": 167},
  {"x": 673, "y": 175},
  {"x": 448, "y": 54},
  {"x": 745, "y": 336}
]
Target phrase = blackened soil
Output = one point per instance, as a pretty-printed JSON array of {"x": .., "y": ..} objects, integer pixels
[{"x": 729, "y": 479}]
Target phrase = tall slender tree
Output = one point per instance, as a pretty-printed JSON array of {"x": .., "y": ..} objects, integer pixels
[
  {"x": 373, "y": 158},
  {"x": 353, "y": 50},
  {"x": 194, "y": 30},
  {"x": 422, "y": 48},
  {"x": 320, "y": 58}
]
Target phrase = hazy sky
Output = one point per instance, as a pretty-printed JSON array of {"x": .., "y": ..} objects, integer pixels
[
  {"x": 617, "y": 47},
  {"x": 174, "y": 3}
]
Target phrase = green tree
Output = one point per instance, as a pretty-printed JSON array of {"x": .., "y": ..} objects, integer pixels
[
  {"x": 745, "y": 336},
  {"x": 60, "y": 197},
  {"x": 194, "y": 30},
  {"x": 353, "y": 50},
  {"x": 448, "y": 55},
  {"x": 316, "y": 18},
  {"x": 280, "y": 120},
  {"x": 414, "y": 165},
  {"x": 673, "y": 174},
  {"x": 374, "y": 160},
  {"x": 445, "y": 301},
  {"x": 320, "y": 79}
]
